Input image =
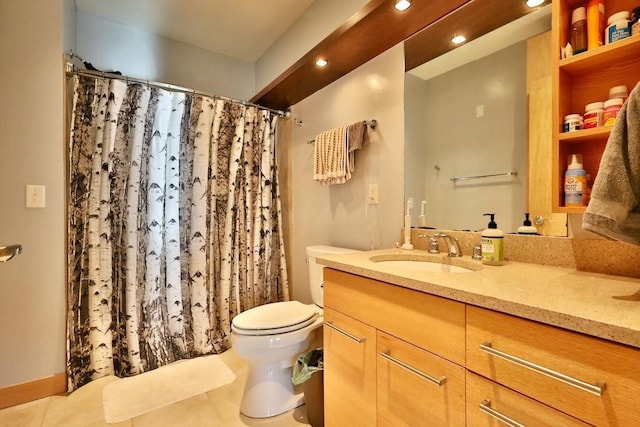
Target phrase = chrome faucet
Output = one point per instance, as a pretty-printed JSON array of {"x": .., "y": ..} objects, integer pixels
[{"x": 452, "y": 243}]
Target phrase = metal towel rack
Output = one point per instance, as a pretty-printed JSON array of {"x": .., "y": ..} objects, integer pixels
[
  {"x": 8, "y": 252},
  {"x": 373, "y": 123},
  {"x": 466, "y": 178}
]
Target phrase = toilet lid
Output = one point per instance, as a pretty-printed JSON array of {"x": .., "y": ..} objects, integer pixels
[{"x": 274, "y": 318}]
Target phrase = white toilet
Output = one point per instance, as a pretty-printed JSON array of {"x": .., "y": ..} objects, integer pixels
[{"x": 271, "y": 337}]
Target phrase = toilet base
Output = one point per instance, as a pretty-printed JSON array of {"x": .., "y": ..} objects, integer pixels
[{"x": 269, "y": 392}]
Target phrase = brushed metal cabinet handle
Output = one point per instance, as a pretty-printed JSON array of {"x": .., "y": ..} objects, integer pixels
[
  {"x": 437, "y": 381},
  {"x": 485, "y": 406},
  {"x": 597, "y": 389},
  {"x": 345, "y": 333}
]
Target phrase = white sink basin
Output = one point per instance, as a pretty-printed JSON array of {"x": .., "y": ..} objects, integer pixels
[
  {"x": 426, "y": 263},
  {"x": 425, "y": 266}
]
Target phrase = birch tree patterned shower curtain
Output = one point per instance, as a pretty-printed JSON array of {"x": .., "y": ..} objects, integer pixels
[{"x": 174, "y": 225}]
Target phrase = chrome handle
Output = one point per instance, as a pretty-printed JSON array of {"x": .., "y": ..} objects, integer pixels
[
  {"x": 346, "y": 334},
  {"x": 8, "y": 252},
  {"x": 597, "y": 389},
  {"x": 437, "y": 381},
  {"x": 487, "y": 409}
]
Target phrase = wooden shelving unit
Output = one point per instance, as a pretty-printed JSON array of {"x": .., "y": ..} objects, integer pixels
[{"x": 580, "y": 80}]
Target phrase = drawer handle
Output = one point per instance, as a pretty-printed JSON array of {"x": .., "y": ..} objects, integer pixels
[
  {"x": 597, "y": 389},
  {"x": 485, "y": 406},
  {"x": 437, "y": 381},
  {"x": 345, "y": 333}
]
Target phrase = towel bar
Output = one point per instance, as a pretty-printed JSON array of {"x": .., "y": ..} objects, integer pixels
[{"x": 373, "y": 123}]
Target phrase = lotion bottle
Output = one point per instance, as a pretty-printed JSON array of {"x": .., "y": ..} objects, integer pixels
[{"x": 492, "y": 243}]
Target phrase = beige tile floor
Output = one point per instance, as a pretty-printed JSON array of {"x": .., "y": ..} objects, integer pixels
[{"x": 83, "y": 408}]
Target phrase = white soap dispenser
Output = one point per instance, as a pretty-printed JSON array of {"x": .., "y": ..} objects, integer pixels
[
  {"x": 526, "y": 227},
  {"x": 492, "y": 243}
]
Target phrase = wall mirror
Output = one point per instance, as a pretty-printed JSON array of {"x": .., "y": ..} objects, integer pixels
[{"x": 465, "y": 121}]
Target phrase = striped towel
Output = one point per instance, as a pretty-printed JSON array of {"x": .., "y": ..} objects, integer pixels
[{"x": 334, "y": 157}]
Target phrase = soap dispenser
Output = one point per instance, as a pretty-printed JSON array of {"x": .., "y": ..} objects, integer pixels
[
  {"x": 526, "y": 227},
  {"x": 492, "y": 243}
]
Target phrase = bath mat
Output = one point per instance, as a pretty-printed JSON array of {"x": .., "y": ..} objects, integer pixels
[{"x": 130, "y": 397}]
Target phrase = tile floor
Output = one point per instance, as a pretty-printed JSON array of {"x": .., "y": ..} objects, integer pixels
[{"x": 83, "y": 408}]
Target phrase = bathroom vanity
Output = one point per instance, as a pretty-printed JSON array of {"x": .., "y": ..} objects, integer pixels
[{"x": 521, "y": 343}]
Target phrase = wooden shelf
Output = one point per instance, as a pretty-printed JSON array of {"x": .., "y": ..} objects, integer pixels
[
  {"x": 585, "y": 135},
  {"x": 589, "y": 62},
  {"x": 581, "y": 80}
]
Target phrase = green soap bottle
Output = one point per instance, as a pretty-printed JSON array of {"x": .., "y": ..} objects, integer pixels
[{"x": 492, "y": 243}]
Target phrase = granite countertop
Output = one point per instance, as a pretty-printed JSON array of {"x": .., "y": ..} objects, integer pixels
[{"x": 600, "y": 305}]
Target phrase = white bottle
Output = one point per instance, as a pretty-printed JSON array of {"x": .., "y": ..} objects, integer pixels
[
  {"x": 422, "y": 219},
  {"x": 492, "y": 243}
]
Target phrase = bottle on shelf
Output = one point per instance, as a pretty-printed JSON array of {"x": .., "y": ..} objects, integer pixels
[
  {"x": 575, "y": 183},
  {"x": 579, "y": 30},
  {"x": 595, "y": 24}
]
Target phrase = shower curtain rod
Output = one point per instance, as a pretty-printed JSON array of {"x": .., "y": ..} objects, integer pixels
[{"x": 162, "y": 85}]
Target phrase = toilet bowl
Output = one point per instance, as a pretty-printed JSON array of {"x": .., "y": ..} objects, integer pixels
[{"x": 271, "y": 337}]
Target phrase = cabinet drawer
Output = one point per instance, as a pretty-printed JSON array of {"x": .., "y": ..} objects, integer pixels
[
  {"x": 485, "y": 396},
  {"x": 560, "y": 368},
  {"x": 349, "y": 371},
  {"x": 430, "y": 322},
  {"x": 416, "y": 387}
]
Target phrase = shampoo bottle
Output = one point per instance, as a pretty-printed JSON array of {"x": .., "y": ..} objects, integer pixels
[{"x": 492, "y": 243}]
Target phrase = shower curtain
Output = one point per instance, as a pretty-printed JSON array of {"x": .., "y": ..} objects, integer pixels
[{"x": 174, "y": 225}]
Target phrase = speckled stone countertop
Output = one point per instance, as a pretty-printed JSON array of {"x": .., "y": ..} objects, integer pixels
[{"x": 600, "y": 305}]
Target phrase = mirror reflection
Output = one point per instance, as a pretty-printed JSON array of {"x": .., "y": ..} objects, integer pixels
[{"x": 466, "y": 131}]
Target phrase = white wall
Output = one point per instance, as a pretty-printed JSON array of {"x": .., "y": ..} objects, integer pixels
[
  {"x": 108, "y": 45},
  {"x": 316, "y": 23},
  {"x": 337, "y": 215},
  {"x": 32, "y": 285}
]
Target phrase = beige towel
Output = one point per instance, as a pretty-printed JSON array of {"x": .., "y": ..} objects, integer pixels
[
  {"x": 613, "y": 210},
  {"x": 334, "y": 153},
  {"x": 330, "y": 157}
]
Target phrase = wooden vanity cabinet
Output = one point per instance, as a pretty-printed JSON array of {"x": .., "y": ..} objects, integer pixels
[
  {"x": 400, "y": 357},
  {"x": 398, "y": 352}
]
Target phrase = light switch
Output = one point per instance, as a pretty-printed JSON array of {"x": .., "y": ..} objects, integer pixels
[
  {"x": 35, "y": 196},
  {"x": 479, "y": 110}
]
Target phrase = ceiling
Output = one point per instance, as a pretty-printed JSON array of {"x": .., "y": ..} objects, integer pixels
[{"x": 240, "y": 29}]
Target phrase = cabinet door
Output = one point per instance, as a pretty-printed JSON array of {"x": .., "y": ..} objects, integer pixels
[
  {"x": 589, "y": 378},
  {"x": 491, "y": 405},
  {"x": 417, "y": 388},
  {"x": 349, "y": 371}
]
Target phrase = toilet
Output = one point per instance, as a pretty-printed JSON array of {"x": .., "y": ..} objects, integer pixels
[{"x": 270, "y": 338}]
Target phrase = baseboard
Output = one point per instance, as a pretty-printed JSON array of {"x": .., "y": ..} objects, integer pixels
[{"x": 33, "y": 390}]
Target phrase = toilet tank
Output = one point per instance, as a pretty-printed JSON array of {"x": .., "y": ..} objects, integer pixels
[{"x": 316, "y": 270}]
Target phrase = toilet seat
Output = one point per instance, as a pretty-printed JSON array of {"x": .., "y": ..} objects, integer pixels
[{"x": 274, "y": 318}]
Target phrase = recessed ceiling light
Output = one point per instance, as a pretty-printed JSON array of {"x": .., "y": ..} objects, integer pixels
[
  {"x": 534, "y": 3},
  {"x": 402, "y": 5},
  {"x": 458, "y": 39},
  {"x": 321, "y": 62}
]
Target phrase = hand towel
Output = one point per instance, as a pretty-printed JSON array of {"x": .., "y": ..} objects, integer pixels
[
  {"x": 330, "y": 157},
  {"x": 334, "y": 153},
  {"x": 357, "y": 137},
  {"x": 613, "y": 210}
]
